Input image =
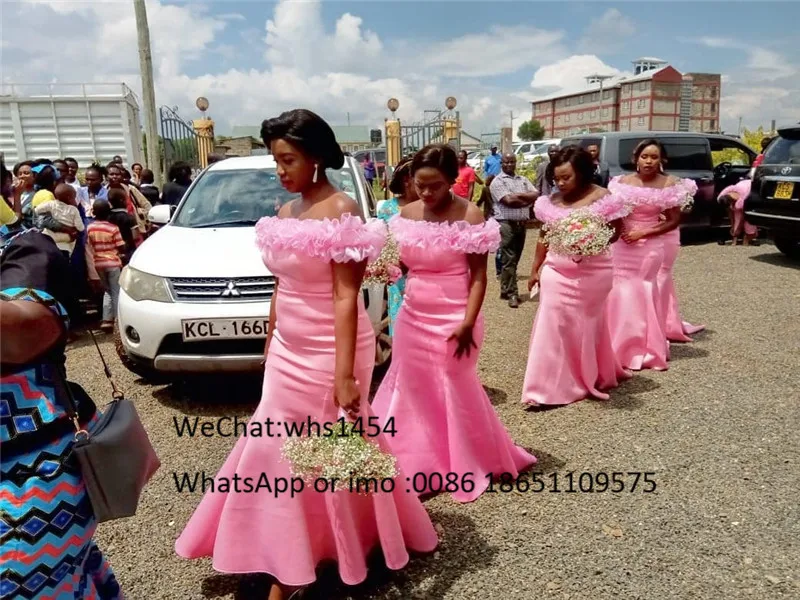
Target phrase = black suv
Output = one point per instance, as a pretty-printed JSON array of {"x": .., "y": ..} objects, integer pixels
[
  {"x": 691, "y": 155},
  {"x": 774, "y": 201}
]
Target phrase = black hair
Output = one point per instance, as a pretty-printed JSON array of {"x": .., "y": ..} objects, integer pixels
[
  {"x": 97, "y": 168},
  {"x": 117, "y": 198},
  {"x": 307, "y": 131},
  {"x": 19, "y": 165},
  {"x": 5, "y": 174},
  {"x": 101, "y": 210},
  {"x": 69, "y": 159},
  {"x": 214, "y": 158},
  {"x": 180, "y": 171},
  {"x": 437, "y": 156},
  {"x": 113, "y": 165},
  {"x": 135, "y": 165},
  {"x": 580, "y": 160},
  {"x": 147, "y": 176},
  {"x": 46, "y": 179},
  {"x": 637, "y": 152},
  {"x": 398, "y": 183},
  {"x": 125, "y": 173}
]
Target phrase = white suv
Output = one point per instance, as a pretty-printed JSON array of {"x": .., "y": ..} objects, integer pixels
[{"x": 196, "y": 295}]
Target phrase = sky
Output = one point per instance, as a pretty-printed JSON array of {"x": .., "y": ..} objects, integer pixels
[{"x": 255, "y": 59}]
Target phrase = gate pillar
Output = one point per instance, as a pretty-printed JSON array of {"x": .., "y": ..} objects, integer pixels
[
  {"x": 204, "y": 128},
  {"x": 451, "y": 133},
  {"x": 393, "y": 149}
]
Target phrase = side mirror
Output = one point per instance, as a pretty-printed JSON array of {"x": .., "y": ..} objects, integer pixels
[{"x": 160, "y": 214}]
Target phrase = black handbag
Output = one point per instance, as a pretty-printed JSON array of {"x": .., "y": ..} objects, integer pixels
[{"x": 115, "y": 455}]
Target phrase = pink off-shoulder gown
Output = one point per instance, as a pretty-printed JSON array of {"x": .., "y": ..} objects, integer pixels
[
  {"x": 742, "y": 189},
  {"x": 444, "y": 420},
  {"x": 635, "y": 308},
  {"x": 288, "y": 536},
  {"x": 570, "y": 356}
]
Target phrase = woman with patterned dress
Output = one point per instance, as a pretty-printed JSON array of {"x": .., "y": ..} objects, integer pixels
[
  {"x": 402, "y": 186},
  {"x": 46, "y": 518},
  {"x": 445, "y": 423},
  {"x": 320, "y": 353},
  {"x": 635, "y": 312},
  {"x": 570, "y": 356}
]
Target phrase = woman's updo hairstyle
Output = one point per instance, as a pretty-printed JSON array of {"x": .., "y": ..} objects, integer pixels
[
  {"x": 437, "y": 156},
  {"x": 398, "y": 183},
  {"x": 637, "y": 152},
  {"x": 308, "y": 132},
  {"x": 580, "y": 160}
]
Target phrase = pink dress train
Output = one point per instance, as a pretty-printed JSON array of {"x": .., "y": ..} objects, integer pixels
[
  {"x": 286, "y": 536},
  {"x": 444, "y": 420},
  {"x": 636, "y": 317},
  {"x": 677, "y": 329},
  {"x": 742, "y": 189},
  {"x": 570, "y": 356}
]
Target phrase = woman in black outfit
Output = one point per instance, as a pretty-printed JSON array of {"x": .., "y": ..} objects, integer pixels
[{"x": 180, "y": 177}]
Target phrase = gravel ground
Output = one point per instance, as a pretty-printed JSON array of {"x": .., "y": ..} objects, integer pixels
[{"x": 719, "y": 429}]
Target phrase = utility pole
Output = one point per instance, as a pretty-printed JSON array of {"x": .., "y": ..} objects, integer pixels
[
  {"x": 739, "y": 133},
  {"x": 148, "y": 91}
]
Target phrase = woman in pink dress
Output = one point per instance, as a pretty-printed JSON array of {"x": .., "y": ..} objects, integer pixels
[
  {"x": 570, "y": 356},
  {"x": 734, "y": 196},
  {"x": 319, "y": 359},
  {"x": 449, "y": 437},
  {"x": 675, "y": 327},
  {"x": 635, "y": 313}
]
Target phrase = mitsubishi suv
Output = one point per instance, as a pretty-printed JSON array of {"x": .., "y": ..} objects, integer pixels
[{"x": 195, "y": 297}]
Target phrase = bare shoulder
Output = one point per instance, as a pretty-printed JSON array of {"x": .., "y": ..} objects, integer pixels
[
  {"x": 598, "y": 192},
  {"x": 287, "y": 210},
  {"x": 340, "y": 204},
  {"x": 412, "y": 210},
  {"x": 473, "y": 215},
  {"x": 672, "y": 180},
  {"x": 629, "y": 179}
]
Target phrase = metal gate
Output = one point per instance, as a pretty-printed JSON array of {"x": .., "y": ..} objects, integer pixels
[
  {"x": 490, "y": 139},
  {"x": 437, "y": 127},
  {"x": 179, "y": 139}
]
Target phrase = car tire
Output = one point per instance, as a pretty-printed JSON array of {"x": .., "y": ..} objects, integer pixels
[
  {"x": 789, "y": 245},
  {"x": 149, "y": 374}
]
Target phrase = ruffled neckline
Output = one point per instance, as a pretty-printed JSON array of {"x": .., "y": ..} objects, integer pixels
[
  {"x": 347, "y": 238},
  {"x": 609, "y": 207},
  {"x": 454, "y": 236},
  {"x": 667, "y": 197}
]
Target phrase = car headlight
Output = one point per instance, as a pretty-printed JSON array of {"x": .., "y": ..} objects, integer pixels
[{"x": 143, "y": 286}]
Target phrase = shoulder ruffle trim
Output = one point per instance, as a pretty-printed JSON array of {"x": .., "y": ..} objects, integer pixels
[{"x": 458, "y": 236}]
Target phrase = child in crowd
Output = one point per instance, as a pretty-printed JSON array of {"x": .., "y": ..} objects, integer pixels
[
  {"x": 106, "y": 244},
  {"x": 60, "y": 219},
  {"x": 124, "y": 221}
]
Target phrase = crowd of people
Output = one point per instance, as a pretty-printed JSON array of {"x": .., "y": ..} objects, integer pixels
[{"x": 607, "y": 308}]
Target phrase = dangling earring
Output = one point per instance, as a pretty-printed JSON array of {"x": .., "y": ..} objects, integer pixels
[
  {"x": 316, "y": 171},
  {"x": 637, "y": 167},
  {"x": 661, "y": 167}
]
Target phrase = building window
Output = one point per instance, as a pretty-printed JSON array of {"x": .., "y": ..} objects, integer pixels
[
  {"x": 713, "y": 91},
  {"x": 605, "y": 112},
  {"x": 580, "y": 116},
  {"x": 641, "y": 121},
  {"x": 643, "y": 85},
  {"x": 568, "y": 102},
  {"x": 640, "y": 104},
  {"x": 593, "y": 115},
  {"x": 566, "y": 118},
  {"x": 580, "y": 99},
  {"x": 595, "y": 96},
  {"x": 606, "y": 94},
  {"x": 713, "y": 107},
  {"x": 712, "y": 124}
]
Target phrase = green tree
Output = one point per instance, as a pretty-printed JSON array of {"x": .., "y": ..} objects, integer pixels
[{"x": 530, "y": 131}]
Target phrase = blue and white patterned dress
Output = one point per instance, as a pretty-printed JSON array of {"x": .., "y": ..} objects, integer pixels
[
  {"x": 46, "y": 518},
  {"x": 387, "y": 210}
]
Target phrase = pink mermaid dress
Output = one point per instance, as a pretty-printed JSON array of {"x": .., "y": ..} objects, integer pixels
[
  {"x": 444, "y": 420},
  {"x": 570, "y": 356},
  {"x": 676, "y": 328},
  {"x": 742, "y": 189},
  {"x": 635, "y": 314},
  {"x": 288, "y": 536}
]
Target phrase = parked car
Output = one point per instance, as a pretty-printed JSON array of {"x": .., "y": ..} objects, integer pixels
[
  {"x": 201, "y": 272},
  {"x": 475, "y": 159},
  {"x": 774, "y": 201},
  {"x": 529, "y": 150},
  {"x": 690, "y": 155}
]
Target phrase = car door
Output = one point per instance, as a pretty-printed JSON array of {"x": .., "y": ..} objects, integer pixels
[{"x": 732, "y": 162}]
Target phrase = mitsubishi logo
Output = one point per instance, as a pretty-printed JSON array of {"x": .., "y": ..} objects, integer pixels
[
  {"x": 786, "y": 170},
  {"x": 230, "y": 291}
]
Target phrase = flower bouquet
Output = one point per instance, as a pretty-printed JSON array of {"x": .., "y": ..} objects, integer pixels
[
  {"x": 345, "y": 456},
  {"x": 688, "y": 203},
  {"x": 385, "y": 270},
  {"x": 580, "y": 234}
]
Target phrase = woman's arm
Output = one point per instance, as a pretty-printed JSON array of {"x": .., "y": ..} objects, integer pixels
[
  {"x": 273, "y": 312},
  {"x": 672, "y": 221},
  {"x": 347, "y": 278},
  {"x": 618, "y": 228},
  {"x": 538, "y": 260},
  {"x": 477, "y": 287},
  {"x": 27, "y": 331}
]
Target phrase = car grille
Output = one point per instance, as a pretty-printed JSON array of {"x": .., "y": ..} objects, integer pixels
[{"x": 222, "y": 289}]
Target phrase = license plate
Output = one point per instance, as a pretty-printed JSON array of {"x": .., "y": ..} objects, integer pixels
[
  {"x": 784, "y": 189},
  {"x": 199, "y": 330}
]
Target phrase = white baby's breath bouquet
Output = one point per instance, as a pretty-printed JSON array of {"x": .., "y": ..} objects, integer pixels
[
  {"x": 345, "y": 455},
  {"x": 386, "y": 268},
  {"x": 582, "y": 233}
]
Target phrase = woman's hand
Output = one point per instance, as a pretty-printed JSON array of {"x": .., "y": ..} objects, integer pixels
[
  {"x": 347, "y": 396},
  {"x": 464, "y": 339},
  {"x": 633, "y": 236},
  {"x": 533, "y": 279}
]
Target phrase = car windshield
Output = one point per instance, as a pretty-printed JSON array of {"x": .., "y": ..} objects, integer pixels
[
  {"x": 785, "y": 149},
  {"x": 241, "y": 197}
]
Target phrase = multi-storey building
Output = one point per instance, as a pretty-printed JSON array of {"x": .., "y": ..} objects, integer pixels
[{"x": 655, "y": 98}]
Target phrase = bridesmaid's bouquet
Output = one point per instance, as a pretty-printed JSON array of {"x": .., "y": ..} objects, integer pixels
[
  {"x": 385, "y": 269},
  {"x": 346, "y": 456},
  {"x": 582, "y": 233}
]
